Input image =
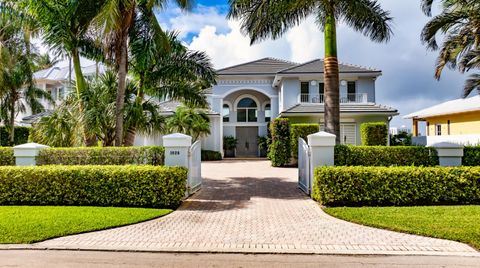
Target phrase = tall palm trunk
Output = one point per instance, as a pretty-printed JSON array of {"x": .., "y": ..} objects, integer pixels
[
  {"x": 332, "y": 88},
  {"x": 129, "y": 139},
  {"x": 12, "y": 119},
  {"x": 121, "y": 55}
]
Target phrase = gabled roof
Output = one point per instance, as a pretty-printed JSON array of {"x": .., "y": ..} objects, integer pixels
[
  {"x": 316, "y": 66},
  {"x": 308, "y": 108},
  {"x": 450, "y": 107},
  {"x": 265, "y": 66}
]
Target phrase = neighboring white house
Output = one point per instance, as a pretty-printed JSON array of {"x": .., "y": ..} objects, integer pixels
[{"x": 250, "y": 95}]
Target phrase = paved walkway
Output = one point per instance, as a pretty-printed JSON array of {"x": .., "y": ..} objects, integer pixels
[{"x": 250, "y": 207}]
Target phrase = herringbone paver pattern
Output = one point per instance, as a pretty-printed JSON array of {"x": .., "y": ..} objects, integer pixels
[{"x": 248, "y": 206}]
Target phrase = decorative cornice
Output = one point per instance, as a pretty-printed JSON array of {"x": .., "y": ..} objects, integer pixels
[{"x": 250, "y": 82}]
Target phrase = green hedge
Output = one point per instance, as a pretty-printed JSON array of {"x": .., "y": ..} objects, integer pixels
[
  {"x": 374, "y": 134},
  {"x": 471, "y": 156},
  {"x": 349, "y": 155},
  {"x": 148, "y": 155},
  {"x": 211, "y": 155},
  {"x": 280, "y": 152},
  {"x": 399, "y": 186},
  {"x": 301, "y": 131},
  {"x": 6, "y": 156},
  {"x": 123, "y": 186},
  {"x": 20, "y": 136}
]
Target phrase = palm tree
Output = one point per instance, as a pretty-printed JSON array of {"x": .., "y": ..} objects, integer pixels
[
  {"x": 262, "y": 19},
  {"x": 459, "y": 22},
  {"x": 16, "y": 83},
  {"x": 117, "y": 19},
  {"x": 173, "y": 73},
  {"x": 44, "y": 61},
  {"x": 189, "y": 121}
]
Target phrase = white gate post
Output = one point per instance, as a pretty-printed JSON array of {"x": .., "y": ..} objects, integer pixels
[
  {"x": 322, "y": 152},
  {"x": 176, "y": 149},
  {"x": 26, "y": 154},
  {"x": 449, "y": 154}
]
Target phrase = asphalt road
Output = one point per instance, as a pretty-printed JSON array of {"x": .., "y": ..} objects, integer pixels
[{"x": 85, "y": 259}]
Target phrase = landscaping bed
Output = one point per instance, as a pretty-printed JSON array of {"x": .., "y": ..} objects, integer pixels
[
  {"x": 459, "y": 223},
  {"x": 28, "y": 224}
]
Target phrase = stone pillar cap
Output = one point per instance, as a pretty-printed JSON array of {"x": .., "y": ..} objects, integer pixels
[
  {"x": 177, "y": 140},
  {"x": 321, "y": 138},
  {"x": 31, "y": 145},
  {"x": 446, "y": 145}
]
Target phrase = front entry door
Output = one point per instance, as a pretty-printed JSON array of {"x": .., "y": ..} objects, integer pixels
[{"x": 247, "y": 141}]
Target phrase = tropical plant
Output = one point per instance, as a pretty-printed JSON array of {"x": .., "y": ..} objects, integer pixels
[
  {"x": 459, "y": 23},
  {"x": 43, "y": 61},
  {"x": 173, "y": 73},
  {"x": 116, "y": 21},
  {"x": 261, "y": 19},
  {"x": 190, "y": 121},
  {"x": 17, "y": 90}
]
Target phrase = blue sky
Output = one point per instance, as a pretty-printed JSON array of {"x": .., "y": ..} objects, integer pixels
[{"x": 407, "y": 82}]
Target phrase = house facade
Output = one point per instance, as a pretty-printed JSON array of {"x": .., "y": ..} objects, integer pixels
[
  {"x": 248, "y": 96},
  {"x": 456, "y": 121}
]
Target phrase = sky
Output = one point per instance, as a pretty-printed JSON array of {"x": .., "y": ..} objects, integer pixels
[{"x": 407, "y": 83}]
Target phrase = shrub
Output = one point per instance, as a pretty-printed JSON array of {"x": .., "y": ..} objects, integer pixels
[
  {"x": 300, "y": 131},
  {"x": 6, "y": 156},
  {"x": 211, "y": 155},
  {"x": 374, "y": 133},
  {"x": 399, "y": 186},
  {"x": 152, "y": 155},
  {"x": 471, "y": 156},
  {"x": 280, "y": 151},
  {"x": 348, "y": 155},
  {"x": 21, "y": 136},
  {"x": 124, "y": 186}
]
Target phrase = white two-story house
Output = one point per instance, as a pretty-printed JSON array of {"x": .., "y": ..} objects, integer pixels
[{"x": 249, "y": 95}]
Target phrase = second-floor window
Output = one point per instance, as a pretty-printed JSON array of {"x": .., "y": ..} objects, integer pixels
[
  {"x": 304, "y": 91},
  {"x": 247, "y": 110},
  {"x": 351, "y": 90}
]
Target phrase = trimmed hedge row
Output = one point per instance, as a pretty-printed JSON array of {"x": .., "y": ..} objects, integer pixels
[
  {"x": 300, "y": 131},
  {"x": 148, "y": 155},
  {"x": 471, "y": 156},
  {"x": 374, "y": 134},
  {"x": 20, "y": 136},
  {"x": 211, "y": 155},
  {"x": 125, "y": 186},
  {"x": 348, "y": 155},
  {"x": 6, "y": 156},
  {"x": 399, "y": 186}
]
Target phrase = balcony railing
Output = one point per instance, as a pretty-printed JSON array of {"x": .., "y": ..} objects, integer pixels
[{"x": 344, "y": 98}]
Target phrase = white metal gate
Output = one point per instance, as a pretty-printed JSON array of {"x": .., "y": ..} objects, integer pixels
[
  {"x": 194, "y": 168},
  {"x": 304, "y": 176}
]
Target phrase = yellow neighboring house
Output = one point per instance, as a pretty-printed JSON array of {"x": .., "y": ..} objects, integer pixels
[{"x": 456, "y": 121}]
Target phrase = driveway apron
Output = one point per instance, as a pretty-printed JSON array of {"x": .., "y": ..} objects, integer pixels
[{"x": 247, "y": 206}]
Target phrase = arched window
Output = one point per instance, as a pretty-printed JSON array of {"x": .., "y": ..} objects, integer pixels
[
  {"x": 247, "y": 110},
  {"x": 268, "y": 112},
  {"x": 226, "y": 113}
]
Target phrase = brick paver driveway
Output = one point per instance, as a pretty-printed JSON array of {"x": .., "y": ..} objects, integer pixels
[{"x": 248, "y": 206}]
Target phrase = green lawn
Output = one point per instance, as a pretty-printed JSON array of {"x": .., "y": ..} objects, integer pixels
[
  {"x": 28, "y": 224},
  {"x": 460, "y": 223}
]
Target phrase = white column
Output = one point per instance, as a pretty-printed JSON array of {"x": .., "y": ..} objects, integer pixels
[
  {"x": 176, "y": 149},
  {"x": 449, "y": 154},
  {"x": 26, "y": 154}
]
